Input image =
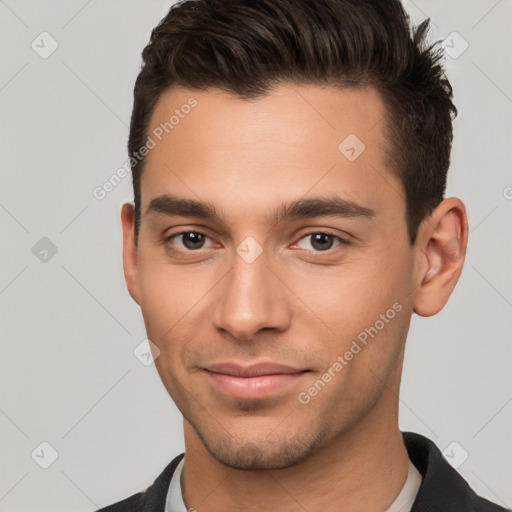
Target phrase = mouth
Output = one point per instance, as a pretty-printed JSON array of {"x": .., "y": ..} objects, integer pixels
[{"x": 252, "y": 382}]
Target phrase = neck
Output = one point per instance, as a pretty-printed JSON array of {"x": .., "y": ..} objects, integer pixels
[{"x": 364, "y": 469}]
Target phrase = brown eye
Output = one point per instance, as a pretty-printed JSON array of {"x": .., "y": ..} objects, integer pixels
[
  {"x": 193, "y": 240},
  {"x": 322, "y": 241},
  {"x": 188, "y": 240},
  {"x": 319, "y": 241}
]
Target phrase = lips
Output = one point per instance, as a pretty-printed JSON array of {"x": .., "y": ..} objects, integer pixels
[
  {"x": 252, "y": 382},
  {"x": 256, "y": 370}
]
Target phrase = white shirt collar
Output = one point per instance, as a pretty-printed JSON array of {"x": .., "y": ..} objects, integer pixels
[
  {"x": 174, "y": 501},
  {"x": 405, "y": 499},
  {"x": 402, "y": 503}
]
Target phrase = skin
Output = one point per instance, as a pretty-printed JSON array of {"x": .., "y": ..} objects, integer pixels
[{"x": 295, "y": 304}]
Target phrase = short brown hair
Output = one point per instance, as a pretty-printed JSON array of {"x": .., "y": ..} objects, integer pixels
[{"x": 247, "y": 46}]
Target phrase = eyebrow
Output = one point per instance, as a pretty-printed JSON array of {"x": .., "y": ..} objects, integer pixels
[
  {"x": 172, "y": 205},
  {"x": 320, "y": 206},
  {"x": 335, "y": 206}
]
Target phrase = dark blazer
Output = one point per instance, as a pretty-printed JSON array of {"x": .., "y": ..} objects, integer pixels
[{"x": 442, "y": 488}]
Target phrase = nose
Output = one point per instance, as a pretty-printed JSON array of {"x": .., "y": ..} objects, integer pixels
[{"x": 251, "y": 298}]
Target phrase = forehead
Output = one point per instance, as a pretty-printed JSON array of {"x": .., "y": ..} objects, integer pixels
[{"x": 292, "y": 141}]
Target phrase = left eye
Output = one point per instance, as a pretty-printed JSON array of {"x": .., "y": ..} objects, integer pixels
[
  {"x": 189, "y": 240},
  {"x": 319, "y": 241}
]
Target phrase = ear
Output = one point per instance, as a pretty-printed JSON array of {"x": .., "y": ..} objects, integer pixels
[
  {"x": 441, "y": 249},
  {"x": 130, "y": 251}
]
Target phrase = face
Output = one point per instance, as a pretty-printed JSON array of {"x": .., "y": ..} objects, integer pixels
[{"x": 273, "y": 267}]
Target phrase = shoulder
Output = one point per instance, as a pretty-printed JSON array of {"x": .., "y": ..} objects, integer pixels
[
  {"x": 132, "y": 504},
  {"x": 442, "y": 489},
  {"x": 153, "y": 498}
]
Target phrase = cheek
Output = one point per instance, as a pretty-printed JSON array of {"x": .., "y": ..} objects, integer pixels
[
  {"x": 174, "y": 302},
  {"x": 168, "y": 292},
  {"x": 362, "y": 306},
  {"x": 351, "y": 294}
]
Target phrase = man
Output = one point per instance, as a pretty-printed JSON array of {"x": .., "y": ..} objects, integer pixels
[{"x": 289, "y": 163}]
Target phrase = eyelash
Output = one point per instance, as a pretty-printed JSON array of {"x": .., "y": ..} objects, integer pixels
[
  {"x": 341, "y": 241},
  {"x": 176, "y": 235}
]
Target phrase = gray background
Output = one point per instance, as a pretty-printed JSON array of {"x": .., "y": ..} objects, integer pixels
[{"x": 68, "y": 375}]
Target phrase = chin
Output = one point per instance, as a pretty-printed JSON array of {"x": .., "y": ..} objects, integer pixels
[{"x": 270, "y": 452}]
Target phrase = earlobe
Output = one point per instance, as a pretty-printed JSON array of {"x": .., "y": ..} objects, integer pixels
[
  {"x": 130, "y": 265},
  {"x": 443, "y": 245}
]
